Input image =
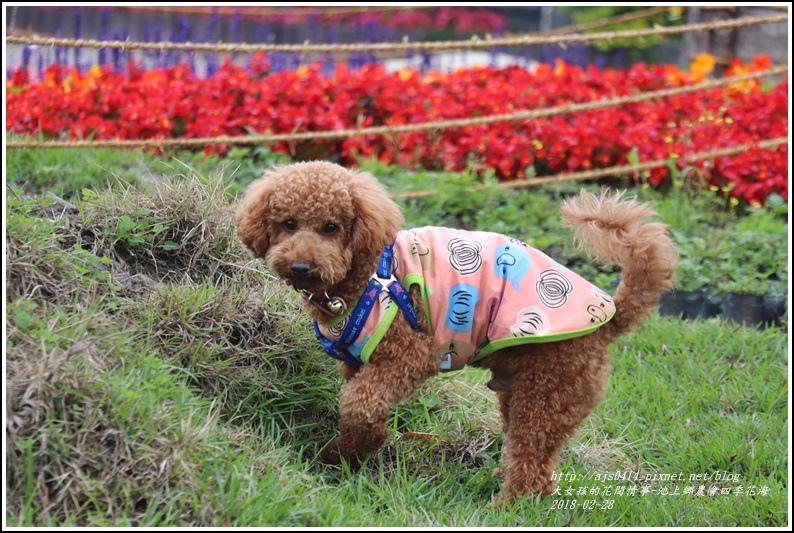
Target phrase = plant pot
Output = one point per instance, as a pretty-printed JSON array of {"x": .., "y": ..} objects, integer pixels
[
  {"x": 752, "y": 309},
  {"x": 690, "y": 304},
  {"x": 745, "y": 309}
]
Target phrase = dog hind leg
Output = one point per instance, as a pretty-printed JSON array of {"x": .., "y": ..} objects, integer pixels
[{"x": 544, "y": 411}]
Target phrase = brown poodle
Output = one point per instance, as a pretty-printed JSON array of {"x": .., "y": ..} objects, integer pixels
[{"x": 323, "y": 229}]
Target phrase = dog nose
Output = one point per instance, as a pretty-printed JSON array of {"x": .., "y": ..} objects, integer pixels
[{"x": 300, "y": 268}]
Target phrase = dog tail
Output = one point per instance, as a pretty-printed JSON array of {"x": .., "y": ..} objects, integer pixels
[{"x": 616, "y": 231}]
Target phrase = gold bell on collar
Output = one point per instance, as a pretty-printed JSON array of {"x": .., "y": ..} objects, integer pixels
[{"x": 336, "y": 305}]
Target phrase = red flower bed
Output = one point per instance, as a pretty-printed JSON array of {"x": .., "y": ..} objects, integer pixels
[{"x": 166, "y": 103}]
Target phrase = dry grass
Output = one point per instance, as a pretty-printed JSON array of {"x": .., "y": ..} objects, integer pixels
[
  {"x": 107, "y": 326},
  {"x": 176, "y": 229},
  {"x": 36, "y": 235}
]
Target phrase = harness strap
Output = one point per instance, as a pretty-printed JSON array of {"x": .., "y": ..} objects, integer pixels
[
  {"x": 383, "y": 280},
  {"x": 396, "y": 290}
]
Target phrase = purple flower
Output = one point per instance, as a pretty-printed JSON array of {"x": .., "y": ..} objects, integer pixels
[
  {"x": 102, "y": 34},
  {"x": 27, "y": 53},
  {"x": 78, "y": 31}
]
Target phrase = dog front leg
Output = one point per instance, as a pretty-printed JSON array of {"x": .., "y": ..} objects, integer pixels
[
  {"x": 366, "y": 401},
  {"x": 349, "y": 370}
]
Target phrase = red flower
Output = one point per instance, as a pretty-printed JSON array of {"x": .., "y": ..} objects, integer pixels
[{"x": 164, "y": 103}]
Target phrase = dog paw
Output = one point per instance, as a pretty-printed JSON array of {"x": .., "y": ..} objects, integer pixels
[
  {"x": 330, "y": 454},
  {"x": 510, "y": 495},
  {"x": 499, "y": 503}
]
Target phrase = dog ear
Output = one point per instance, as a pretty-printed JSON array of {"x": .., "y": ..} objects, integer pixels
[
  {"x": 250, "y": 219},
  {"x": 378, "y": 218}
]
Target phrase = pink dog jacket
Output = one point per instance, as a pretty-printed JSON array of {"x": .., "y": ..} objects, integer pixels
[{"x": 483, "y": 292}]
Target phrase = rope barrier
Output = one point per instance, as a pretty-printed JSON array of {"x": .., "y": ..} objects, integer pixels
[
  {"x": 382, "y": 55},
  {"x": 574, "y": 28},
  {"x": 394, "y": 130},
  {"x": 473, "y": 43},
  {"x": 611, "y": 171}
]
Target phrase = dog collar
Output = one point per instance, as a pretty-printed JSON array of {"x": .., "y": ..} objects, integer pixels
[{"x": 333, "y": 305}]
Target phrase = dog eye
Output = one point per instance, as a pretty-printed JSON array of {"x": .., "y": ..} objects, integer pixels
[
  {"x": 330, "y": 229},
  {"x": 290, "y": 225}
]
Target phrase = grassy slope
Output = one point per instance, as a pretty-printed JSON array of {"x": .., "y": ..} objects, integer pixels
[{"x": 149, "y": 384}]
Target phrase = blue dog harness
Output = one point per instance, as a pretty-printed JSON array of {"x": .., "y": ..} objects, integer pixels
[{"x": 383, "y": 281}]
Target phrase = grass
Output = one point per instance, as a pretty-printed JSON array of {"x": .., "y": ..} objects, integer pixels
[
  {"x": 156, "y": 376},
  {"x": 67, "y": 172}
]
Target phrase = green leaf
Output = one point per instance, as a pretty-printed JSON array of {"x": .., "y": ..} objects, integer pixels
[
  {"x": 125, "y": 226},
  {"x": 633, "y": 156},
  {"x": 22, "y": 319}
]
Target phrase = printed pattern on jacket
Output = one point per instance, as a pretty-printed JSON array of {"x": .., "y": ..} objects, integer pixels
[{"x": 483, "y": 292}]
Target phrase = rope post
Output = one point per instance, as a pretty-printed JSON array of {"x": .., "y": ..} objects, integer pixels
[
  {"x": 694, "y": 42},
  {"x": 720, "y": 43}
]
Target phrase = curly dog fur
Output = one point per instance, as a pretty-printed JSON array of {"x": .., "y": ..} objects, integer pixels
[{"x": 322, "y": 227}]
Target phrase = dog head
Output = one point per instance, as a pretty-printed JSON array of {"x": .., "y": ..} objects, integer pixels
[{"x": 314, "y": 222}]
